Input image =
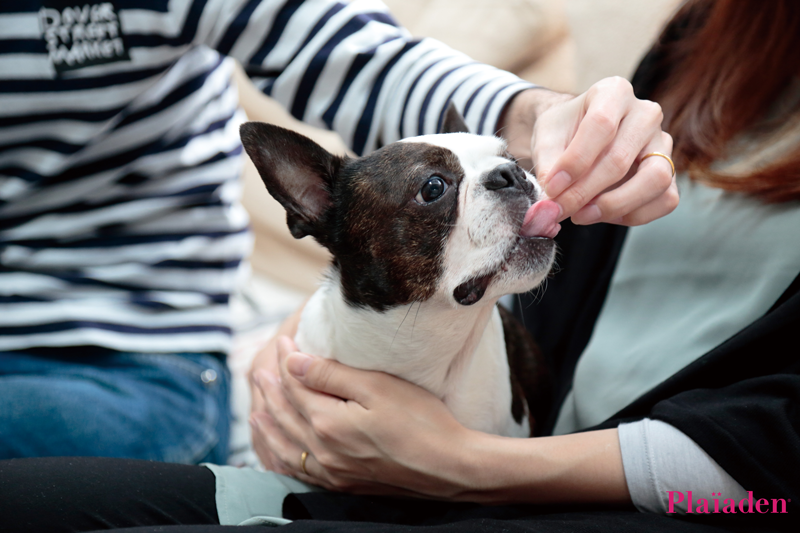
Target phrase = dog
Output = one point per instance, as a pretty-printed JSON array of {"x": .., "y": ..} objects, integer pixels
[{"x": 426, "y": 235}]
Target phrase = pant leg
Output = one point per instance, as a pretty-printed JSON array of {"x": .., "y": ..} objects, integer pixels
[
  {"x": 164, "y": 407},
  {"x": 55, "y": 494}
]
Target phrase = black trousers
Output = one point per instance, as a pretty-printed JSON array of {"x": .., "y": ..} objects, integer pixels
[
  {"x": 55, "y": 494},
  {"x": 65, "y": 494}
]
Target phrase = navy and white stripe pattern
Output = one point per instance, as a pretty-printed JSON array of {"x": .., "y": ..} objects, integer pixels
[{"x": 119, "y": 154}]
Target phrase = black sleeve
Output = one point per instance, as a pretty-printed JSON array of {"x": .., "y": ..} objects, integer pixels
[
  {"x": 751, "y": 428},
  {"x": 740, "y": 402}
]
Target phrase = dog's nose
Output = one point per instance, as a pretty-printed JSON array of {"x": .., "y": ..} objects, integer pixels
[{"x": 507, "y": 176}]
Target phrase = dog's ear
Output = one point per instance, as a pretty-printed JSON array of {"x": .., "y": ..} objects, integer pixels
[
  {"x": 453, "y": 121},
  {"x": 298, "y": 173}
]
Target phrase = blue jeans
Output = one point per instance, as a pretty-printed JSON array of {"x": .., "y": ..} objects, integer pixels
[{"x": 162, "y": 407}]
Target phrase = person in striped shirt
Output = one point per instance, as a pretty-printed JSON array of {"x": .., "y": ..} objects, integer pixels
[{"x": 121, "y": 235}]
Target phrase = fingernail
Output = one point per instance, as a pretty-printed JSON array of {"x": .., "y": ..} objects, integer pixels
[
  {"x": 588, "y": 215},
  {"x": 560, "y": 216},
  {"x": 558, "y": 184},
  {"x": 253, "y": 422},
  {"x": 298, "y": 363}
]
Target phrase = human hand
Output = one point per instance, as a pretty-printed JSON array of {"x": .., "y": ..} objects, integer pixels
[
  {"x": 365, "y": 432},
  {"x": 267, "y": 360},
  {"x": 587, "y": 152}
]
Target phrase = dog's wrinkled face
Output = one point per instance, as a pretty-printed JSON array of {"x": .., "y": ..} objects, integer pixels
[
  {"x": 430, "y": 217},
  {"x": 484, "y": 254}
]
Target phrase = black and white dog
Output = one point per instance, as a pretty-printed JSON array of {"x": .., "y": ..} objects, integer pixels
[{"x": 426, "y": 235}]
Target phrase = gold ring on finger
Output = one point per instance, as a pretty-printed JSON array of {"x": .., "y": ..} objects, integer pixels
[
  {"x": 665, "y": 156},
  {"x": 303, "y": 457}
]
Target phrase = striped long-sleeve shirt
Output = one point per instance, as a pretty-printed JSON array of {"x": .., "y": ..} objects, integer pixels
[{"x": 119, "y": 153}]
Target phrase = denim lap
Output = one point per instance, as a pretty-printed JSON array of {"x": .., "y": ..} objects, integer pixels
[{"x": 163, "y": 407}]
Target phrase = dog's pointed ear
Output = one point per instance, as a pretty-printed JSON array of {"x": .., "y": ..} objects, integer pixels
[
  {"x": 298, "y": 173},
  {"x": 453, "y": 121}
]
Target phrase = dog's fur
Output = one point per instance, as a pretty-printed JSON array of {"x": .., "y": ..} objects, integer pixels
[{"x": 413, "y": 287}]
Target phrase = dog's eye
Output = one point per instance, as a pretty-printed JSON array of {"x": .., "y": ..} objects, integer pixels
[{"x": 432, "y": 190}]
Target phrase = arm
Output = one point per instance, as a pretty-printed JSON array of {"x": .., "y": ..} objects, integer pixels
[
  {"x": 368, "y": 432},
  {"x": 350, "y": 68}
]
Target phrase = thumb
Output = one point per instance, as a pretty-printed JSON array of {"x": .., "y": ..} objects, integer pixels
[
  {"x": 552, "y": 135},
  {"x": 328, "y": 376},
  {"x": 546, "y": 155}
]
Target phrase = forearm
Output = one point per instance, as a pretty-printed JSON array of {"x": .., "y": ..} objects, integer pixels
[{"x": 583, "y": 467}]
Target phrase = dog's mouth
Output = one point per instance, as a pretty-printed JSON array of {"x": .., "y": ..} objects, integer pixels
[
  {"x": 472, "y": 290},
  {"x": 524, "y": 249},
  {"x": 535, "y": 240}
]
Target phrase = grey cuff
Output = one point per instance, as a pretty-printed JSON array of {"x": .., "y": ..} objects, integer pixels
[{"x": 659, "y": 459}]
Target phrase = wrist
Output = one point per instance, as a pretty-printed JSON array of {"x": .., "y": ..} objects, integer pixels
[
  {"x": 579, "y": 468},
  {"x": 519, "y": 117}
]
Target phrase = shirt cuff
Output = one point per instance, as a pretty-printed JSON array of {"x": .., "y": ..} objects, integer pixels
[{"x": 662, "y": 465}]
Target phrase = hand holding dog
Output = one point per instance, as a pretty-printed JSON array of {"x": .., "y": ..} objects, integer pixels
[
  {"x": 355, "y": 425},
  {"x": 587, "y": 152},
  {"x": 372, "y": 433}
]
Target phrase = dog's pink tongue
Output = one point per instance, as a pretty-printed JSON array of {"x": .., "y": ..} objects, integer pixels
[{"x": 541, "y": 220}]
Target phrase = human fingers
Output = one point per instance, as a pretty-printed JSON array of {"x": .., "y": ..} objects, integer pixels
[
  {"x": 329, "y": 377},
  {"x": 296, "y": 450},
  {"x": 650, "y": 193},
  {"x": 662, "y": 205},
  {"x": 596, "y": 116},
  {"x": 618, "y": 169},
  {"x": 291, "y": 459},
  {"x": 640, "y": 127},
  {"x": 284, "y": 417},
  {"x": 260, "y": 425},
  {"x": 267, "y": 358}
]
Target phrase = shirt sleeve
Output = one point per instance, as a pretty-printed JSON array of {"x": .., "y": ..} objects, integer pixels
[
  {"x": 351, "y": 68},
  {"x": 750, "y": 428},
  {"x": 658, "y": 459}
]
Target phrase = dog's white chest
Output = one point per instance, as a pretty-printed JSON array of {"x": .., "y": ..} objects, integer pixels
[{"x": 457, "y": 354}]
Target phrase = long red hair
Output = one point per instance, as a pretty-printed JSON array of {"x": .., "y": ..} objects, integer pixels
[{"x": 718, "y": 71}]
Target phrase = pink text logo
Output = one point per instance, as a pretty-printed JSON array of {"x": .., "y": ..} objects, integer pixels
[{"x": 728, "y": 505}]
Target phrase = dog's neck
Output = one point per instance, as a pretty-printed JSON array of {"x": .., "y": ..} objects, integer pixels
[
  {"x": 426, "y": 343},
  {"x": 455, "y": 353}
]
